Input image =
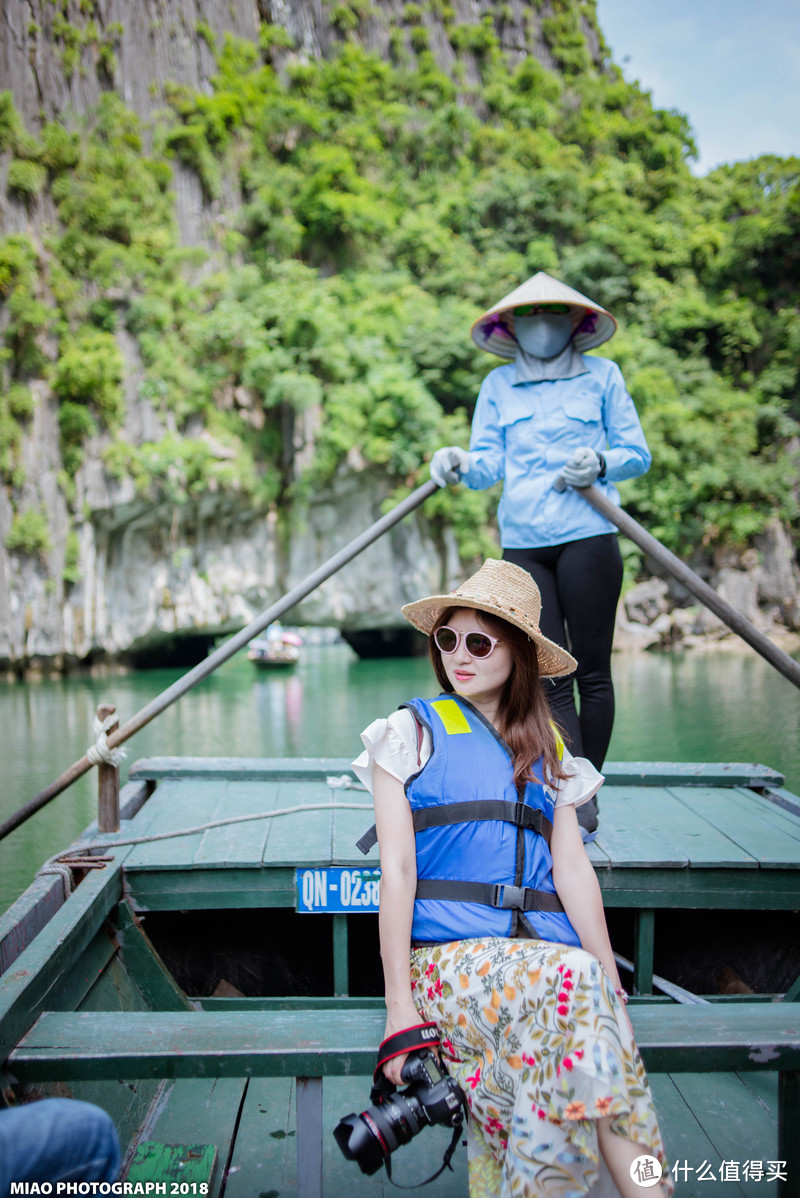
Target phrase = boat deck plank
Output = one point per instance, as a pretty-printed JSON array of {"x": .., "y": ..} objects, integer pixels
[
  {"x": 264, "y": 1161},
  {"x": 302, "y": 839},
  {"x": 680, "y": 818},
  {"x": 199, "y": 1110},
  {"x": 681, "y": 1127},
  {"x": 597, "y": 855},
  {"x": 691, "y": 773},
  {"x": 632, "y": 831},
  {"x": 705, "y": 1120},
  {"x": 736, "y": 1122},
  {"x": 266, "y": 1140},
  {"x": 769, "y": 832},
  {"x": 240, "y": 844},
  {"x": 779, "y": 807},
  {"x": 178, "y": 806}
]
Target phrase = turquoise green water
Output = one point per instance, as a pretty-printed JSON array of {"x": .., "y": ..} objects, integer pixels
[{"x": 679, "y": 707}]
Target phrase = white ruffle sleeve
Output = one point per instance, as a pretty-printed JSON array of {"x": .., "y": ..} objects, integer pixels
[
  {"x": 392, "y": 744},
  {"x": 582, "y": 783}
]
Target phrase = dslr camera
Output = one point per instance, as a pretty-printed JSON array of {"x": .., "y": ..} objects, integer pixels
[{"x": 432, "y": 1097}]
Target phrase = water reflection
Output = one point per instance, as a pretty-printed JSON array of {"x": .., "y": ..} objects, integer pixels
[
  {"x": 720, "y": 706},
  {"x": 279, "y": 706},
  {"x": 716, "y": 706}
]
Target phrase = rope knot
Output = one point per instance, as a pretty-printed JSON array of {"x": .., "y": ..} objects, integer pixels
[
  {"x": 100, "y": 751},
  {"x": 58, "y": 867}
]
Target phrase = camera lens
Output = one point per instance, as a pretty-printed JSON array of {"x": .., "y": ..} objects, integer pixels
[
  {"x": 360, "y": 1143},
  {"x": 370, "y": 1137},
  {"x": 402, "y": 1117}
]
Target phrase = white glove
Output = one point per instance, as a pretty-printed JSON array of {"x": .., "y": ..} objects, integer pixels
[
  {"x": 447, "y": 465},
  {"x": 582, "y": 468}
]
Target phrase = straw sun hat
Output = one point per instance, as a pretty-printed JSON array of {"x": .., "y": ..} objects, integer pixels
[
  {"x": 504, "y": 590},
  {"x": 494, "y": 330}
]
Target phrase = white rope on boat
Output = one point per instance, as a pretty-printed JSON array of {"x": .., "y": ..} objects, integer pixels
[
  {"x": 214, "y": 823},
  {"x": 99, "y": 751},
  {"x": 344, "y": 782},
  {"x": 54, "y": 866}
]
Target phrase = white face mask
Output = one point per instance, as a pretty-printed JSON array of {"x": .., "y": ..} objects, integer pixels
[{"x": 545, "y": 334}]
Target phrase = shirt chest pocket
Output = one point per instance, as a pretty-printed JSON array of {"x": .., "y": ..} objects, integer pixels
[
  {"x": 515, "y": 408},
  {"x": 519, "y": 422},
  {"x": 584, "y": 410}
]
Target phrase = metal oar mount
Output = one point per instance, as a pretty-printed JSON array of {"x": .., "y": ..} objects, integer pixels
[
  {"x": 225, "y": 650},
  {"x": 692, "y": 581}
]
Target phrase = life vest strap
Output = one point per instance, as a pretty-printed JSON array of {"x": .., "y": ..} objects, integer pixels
[
  {"x": 504, "y": 897},
  {"x": 368, "y": 840},
  {"x": 522, "y": 815}
]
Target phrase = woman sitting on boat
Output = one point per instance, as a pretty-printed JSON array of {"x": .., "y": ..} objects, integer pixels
[{"x": 499, "y": 912}]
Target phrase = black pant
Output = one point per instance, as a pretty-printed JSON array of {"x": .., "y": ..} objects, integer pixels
[{"x": 580, "y": 583}]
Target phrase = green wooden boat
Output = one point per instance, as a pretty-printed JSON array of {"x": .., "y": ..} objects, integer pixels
[
  {"x": 209, "y": 973},
  {"x": 202, "y": 960}
]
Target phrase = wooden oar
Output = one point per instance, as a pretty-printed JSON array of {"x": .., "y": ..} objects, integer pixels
[
  {"x": 225, "y": 650},
  {"x": 693, "y": 582}
]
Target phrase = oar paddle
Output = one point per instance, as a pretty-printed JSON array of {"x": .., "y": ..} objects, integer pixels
[
  {"x": 693, "y": 582},
  {"x": 227, "y": 649}
]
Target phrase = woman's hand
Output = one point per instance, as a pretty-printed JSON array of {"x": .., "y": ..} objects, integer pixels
[
  {"x": 399, "y": 1022},
  {"x": 393, "y": 1069},
  {"x": 628, "y": 1021},
  {"x": 624, "y": 1005}
]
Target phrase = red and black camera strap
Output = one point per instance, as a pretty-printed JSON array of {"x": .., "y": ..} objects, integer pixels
[{"x": 411, "y": 1039}]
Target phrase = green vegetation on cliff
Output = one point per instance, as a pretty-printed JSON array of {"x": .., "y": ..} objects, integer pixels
[{"x": 366, "y": 211}]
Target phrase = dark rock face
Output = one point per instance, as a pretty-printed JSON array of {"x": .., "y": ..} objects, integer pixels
[{"x": 386, "y": 642}]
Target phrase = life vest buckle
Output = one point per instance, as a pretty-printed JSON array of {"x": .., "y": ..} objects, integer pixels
[
  {"x": 523, "y": 815},
  {"x": 507, "y": 897}
]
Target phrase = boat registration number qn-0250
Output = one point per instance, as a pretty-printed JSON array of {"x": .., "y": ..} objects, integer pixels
[{"x": 337, "y": 889}]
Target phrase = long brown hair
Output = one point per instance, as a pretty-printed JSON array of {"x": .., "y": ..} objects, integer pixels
[{"x": 525, "y": 721}]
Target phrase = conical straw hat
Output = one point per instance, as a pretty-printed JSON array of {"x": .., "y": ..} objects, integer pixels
[
  {"x": 493, "y": 331},
  {"x": 506, "y": 591}
]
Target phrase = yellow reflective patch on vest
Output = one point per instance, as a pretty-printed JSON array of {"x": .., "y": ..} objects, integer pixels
[
  {"x": 559, "y": 742},
  {"x": 451, "y": 716}
]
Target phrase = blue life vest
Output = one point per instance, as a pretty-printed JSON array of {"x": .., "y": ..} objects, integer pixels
[{"x": 483, "y": 855}]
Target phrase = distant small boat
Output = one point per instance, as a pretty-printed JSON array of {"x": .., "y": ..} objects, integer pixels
[{"x": 268, "y": 654}]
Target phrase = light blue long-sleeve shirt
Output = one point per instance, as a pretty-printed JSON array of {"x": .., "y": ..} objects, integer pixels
[{"x": 524, "y": 433}]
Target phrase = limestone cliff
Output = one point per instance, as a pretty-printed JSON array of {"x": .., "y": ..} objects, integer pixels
[
  {"x": 147, "y": 572},
  {"x": 110, "y": 572}
]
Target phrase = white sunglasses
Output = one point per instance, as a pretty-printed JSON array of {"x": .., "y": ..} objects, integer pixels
[{"x": 477, "y": 644}]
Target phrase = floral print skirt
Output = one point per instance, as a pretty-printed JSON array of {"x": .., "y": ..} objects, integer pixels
[{"x": 536, "y": 1038}]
